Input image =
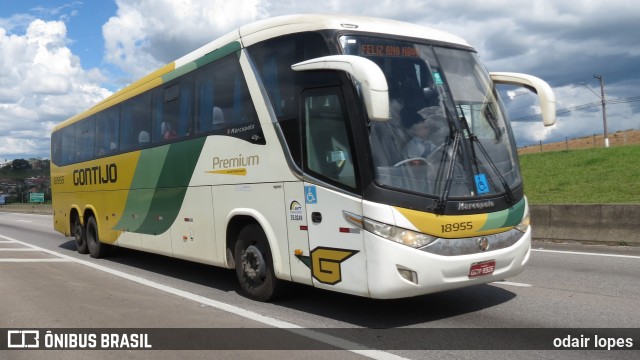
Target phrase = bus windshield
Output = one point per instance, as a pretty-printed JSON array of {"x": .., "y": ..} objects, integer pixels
[{"x": 448, "y": 135}]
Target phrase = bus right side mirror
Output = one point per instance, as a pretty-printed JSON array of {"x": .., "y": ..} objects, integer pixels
[
  {"x": 373, "y": 83},
  {"x": 546, "y": 97}
]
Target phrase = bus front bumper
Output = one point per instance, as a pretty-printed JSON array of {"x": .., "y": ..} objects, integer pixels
[{"x": 397, "y": 271}]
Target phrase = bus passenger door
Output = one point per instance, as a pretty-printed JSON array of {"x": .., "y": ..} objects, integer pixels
[{"x": 336, "y": 247}]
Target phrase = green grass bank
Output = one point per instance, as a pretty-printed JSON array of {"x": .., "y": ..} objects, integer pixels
[{"x": 592, "y": 176}]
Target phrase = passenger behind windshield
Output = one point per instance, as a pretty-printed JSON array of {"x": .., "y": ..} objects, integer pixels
[
  {"x": 417, "y": 120},
  {"x": 425, "y": 133}
]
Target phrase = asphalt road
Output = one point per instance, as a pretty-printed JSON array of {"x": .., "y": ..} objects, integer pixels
[{"x": 567, "y": 290}]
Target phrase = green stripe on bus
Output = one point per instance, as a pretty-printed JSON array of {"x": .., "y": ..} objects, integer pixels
[
  {"x": 217, "y": 54},
  {"x": 515, "y": 214},
  {"x": 505, "y": 218},
  {"x": 143, "y": 183},
  {"x": 179, "y": 72},
  {"x": 171, "y": 187},
  {"x": 206, "y": 59}
]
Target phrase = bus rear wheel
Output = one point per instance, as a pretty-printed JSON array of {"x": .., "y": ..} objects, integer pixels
[
  {"x": 254, "y": 264},
  {"x": 96, "y": 248},
  {"x": 80, "y": 236}
]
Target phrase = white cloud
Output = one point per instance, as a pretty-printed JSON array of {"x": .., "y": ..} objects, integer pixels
[
  {"x": 146, "y": 34},
  {"x": 41, "y": 83}
]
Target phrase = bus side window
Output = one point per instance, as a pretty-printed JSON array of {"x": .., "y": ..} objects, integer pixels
[
  {"x": 222, "y": 98},
  {"x": 56, "y": 148},
  {"x": 185, "y": 111},
  {"x": 172, "y": 109},
  {"x": 328, "y": 150},
  {"x": 205, "y": 119},
  {"x": 107, "y": 132},
  {"x": 85, "y": 139},
  {"x": 136, "y": 123},
  {"x": 68, "y": 149}
]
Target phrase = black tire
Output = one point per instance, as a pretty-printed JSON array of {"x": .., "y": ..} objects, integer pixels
[
  {"x": 96, "y": 248},
  {"x": 80, "y": 236},
  {"x": 254, "y": 265}
]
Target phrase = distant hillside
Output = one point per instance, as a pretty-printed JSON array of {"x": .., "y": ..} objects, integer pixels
[
  {"x": 8, "y": 174},
  {"x": 628, "y": 137}
]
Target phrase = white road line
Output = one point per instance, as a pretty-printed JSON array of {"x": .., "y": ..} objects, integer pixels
[
  {"x": 18, "y": 249},
  {"x": 509, "y": 283},
  {"x": 586, "y": 253},
  {"x": 34, "y": 260},
  {"x": 314, "y": 335}
]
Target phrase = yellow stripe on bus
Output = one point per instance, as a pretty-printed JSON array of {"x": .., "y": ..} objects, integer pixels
[{"x": 449, "y": 226}]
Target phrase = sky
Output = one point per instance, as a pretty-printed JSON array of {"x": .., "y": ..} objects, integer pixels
[{"x": 60, "y": 57}]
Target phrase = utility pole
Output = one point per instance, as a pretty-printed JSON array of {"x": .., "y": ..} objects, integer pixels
[
  {"x": 603, "y": 102},
  {"x": 604, "y": 109}
]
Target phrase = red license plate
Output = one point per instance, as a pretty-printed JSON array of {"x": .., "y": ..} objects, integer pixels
[{"x": 482, "y": 268}]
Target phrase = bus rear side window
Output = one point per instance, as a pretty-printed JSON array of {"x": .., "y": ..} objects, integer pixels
[
  {"x": 68, "y": 149},
  {"x": 56, "y": 147}
]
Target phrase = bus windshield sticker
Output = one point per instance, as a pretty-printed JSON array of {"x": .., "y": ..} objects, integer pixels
[
  {"x": 481, "y": 184},
  {"x": 437, "y": 78}
]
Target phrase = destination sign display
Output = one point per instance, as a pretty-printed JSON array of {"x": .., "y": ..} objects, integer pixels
[{"x": 387, "y": 50}]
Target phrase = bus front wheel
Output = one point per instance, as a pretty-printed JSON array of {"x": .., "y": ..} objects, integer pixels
[
  {"x": 79, "y": 235},
  {"x": 254, "y": 264}
]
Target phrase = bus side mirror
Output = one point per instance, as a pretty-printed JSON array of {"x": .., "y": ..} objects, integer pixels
[
  {"x": 546, "y": 97},
  {"x": 374, "y": 89}
]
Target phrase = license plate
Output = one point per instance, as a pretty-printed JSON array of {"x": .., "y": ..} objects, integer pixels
[{"x": 482, "y": 268}]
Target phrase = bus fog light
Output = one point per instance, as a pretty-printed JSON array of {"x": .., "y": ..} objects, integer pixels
[{"x": 407, "y": 274}]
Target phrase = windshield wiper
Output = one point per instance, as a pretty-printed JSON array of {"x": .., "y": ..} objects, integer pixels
[
  {"x": 457, "y": 136},
  {"x": 444, "y": 196},
  {"x": 474, "y": 140}
]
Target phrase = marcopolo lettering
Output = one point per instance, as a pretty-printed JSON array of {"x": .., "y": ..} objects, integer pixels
[
  {"x": 241, "y": 129},
  {"x": 235, "y": 162},
  {"x": 476, "y": 205},
  {"x": 96, "y": 175}
]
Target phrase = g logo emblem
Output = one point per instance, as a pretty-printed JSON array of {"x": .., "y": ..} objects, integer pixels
[{"x": 326, "y": 263}]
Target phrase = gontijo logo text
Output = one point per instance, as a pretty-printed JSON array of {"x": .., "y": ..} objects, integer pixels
[{"x": 96, "y": 175}]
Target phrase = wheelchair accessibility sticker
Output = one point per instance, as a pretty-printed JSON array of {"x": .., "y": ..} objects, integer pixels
[
  {"x": 481, "y": 184},
  {"x": 310, "y": 195}
]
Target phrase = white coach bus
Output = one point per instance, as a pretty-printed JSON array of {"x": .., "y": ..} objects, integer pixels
[{"x": 365, "y": 156}]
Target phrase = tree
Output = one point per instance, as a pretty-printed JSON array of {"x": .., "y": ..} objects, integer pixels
[{"x": 20, "y": 164}]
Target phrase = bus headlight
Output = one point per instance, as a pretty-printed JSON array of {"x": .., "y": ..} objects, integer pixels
[
  {"x": 399, "y": 235},
  {"x": 524, "y": 224}
]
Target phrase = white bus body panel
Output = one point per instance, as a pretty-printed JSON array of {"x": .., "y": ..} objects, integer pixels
[
  {"x": 282, "y": 25},
  {"x": 193, "y": 233},
  {"x": 339, "y": 260}
]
